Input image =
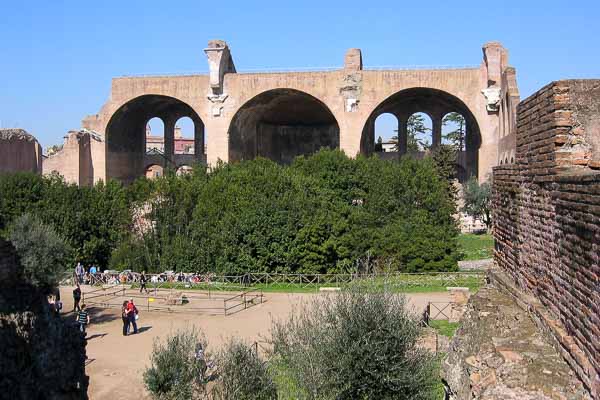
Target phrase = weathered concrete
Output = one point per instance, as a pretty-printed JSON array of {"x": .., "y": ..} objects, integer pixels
[
  {"x": 281, "y": 115},
  {"x": 19, "y": 151},
  {"x": 547, "y": 217}
]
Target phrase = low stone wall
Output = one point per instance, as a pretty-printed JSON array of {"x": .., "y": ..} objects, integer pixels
[{"x": 547, "y": 217}]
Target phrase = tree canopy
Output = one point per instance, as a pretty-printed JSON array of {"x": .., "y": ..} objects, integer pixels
[{"x": 321, "y": 214}]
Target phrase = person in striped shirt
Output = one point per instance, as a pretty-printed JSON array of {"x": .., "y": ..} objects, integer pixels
[{"x": 83, "y": 318}]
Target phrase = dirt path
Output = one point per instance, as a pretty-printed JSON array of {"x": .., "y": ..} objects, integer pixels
[{"x": 116, "y": 363}]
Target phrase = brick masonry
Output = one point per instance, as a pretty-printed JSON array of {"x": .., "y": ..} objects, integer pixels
[{"x": 547, "y": 217}]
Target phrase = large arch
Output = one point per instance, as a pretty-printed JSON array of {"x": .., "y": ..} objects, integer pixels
[
  {"x": 125, "y": 133},
  {"x": 435, "y": 103},
  {"x": 281, "y": 124}
]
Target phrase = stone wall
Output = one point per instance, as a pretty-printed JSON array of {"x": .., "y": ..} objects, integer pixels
[
  {"x": 81, "y": 159},
  {"x": 547, "y": 217},
  {"x": 42, "y": 356},
  {"x": 19, "y": 151}
]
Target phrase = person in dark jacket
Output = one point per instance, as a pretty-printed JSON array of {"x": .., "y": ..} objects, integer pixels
[
  {"x": 125, "y": 318},
  {"x": 76, "y": 298},
  {"x": 143, "y": 281}
]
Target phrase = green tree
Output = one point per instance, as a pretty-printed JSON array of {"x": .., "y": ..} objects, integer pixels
[
  {"x": 176, "y": 372},
  {"x": 244, "y": 375},
  {"x": 456, "y": 137},
  {"x": 477, "y": 200},
  {"x": 416, "y": 131},
  {"x": 358, "y": 344},
  {"x": 445, "y": 160},
  {"x": 20, "y": 192},
  {"x": 91, "y": 219},
  {"x": 44, "y": 254}
]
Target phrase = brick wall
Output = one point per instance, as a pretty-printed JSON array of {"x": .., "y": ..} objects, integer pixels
[{"x": 547, "y": 216}]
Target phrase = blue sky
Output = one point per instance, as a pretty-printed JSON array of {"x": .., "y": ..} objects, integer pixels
[{"x": 58, "y": 57}]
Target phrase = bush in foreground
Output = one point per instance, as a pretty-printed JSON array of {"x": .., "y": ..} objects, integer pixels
[
  {"x": 244, "y": 375},
  {"x": 176, "y": 372},
  {"x": 43, "y": 253},
  {"x": 358, "y": 344}
]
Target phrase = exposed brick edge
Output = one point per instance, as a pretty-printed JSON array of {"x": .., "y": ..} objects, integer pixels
[{"x": 552, "y": 327}]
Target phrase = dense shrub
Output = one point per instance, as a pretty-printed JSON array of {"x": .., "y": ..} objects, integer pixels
[
  {"x": 319, "y": 215},
  {"x": 358, "y": 344},
  {"x": 91, "y": 219},
  {"x": 243, "y": 375},
  {"x": 43, "y": 253},
  {"x": 176, "y": 372}
]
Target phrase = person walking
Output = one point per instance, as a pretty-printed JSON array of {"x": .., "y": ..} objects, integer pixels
[
  {"x": 132, "y": 313},
  {"x": 125, "y": 318},
  {"x": 83, "y": 318},
  {"x": 76, "y": 298},
  {"x": 79, "y": 274},
  {"x": 143, "y": 281}
]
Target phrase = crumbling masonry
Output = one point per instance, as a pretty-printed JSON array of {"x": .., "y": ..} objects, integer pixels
[{"x": 547, "y": 219}]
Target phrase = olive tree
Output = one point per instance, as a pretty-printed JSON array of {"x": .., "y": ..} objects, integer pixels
[
  {"x": 356, "y": 344},
  {"x": 243, "y": 374},
  {"x": 177, "y": 367},
  {"x": 478, "y": 201},
  {"x": 44, "y": 254}
]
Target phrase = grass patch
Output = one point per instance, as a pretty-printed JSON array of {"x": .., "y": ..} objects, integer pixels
[
  {"x": 444, "y": 327},
  {"x": 476, "y": 247}
]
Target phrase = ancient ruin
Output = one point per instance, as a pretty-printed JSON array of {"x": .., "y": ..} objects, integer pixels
[
  {"x": 19, "y": 151},
  {"x": 280, "y": 115},
  {"x": 547, "y": 236}
]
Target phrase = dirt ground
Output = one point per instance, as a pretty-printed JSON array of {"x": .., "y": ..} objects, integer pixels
[{"x": 116, "y": 363}]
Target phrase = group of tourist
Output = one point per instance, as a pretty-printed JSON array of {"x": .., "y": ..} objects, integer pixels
[
  {"x": 85, "y": 276},
  {"x": 129, "y": 312}
]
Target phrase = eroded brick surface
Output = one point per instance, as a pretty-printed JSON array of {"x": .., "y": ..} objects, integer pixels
[{"x": 547, "y": 216}]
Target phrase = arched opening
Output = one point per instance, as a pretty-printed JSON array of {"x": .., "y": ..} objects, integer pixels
[
  {"x": 184, "y": 136},
  {"x": 155, "y": 136},
  {"x": 386, "y": 136},
  {"x": 154, "y": 171},
  {"x": 126, "y": 136},
  {"x": 281, "y": 124},
  {"x": 418, "y": 134},
  {"x": 439, "y": 108}
]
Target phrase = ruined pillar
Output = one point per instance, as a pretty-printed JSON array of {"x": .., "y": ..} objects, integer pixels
[
  {"x": 402, "y": 134},
  {"x": 169, "y": 141},
  {"x": 199, "y": 141},
  {"x": 436, "y": 129}
]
